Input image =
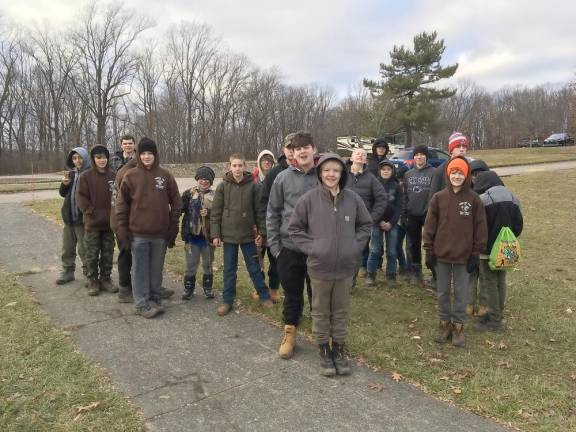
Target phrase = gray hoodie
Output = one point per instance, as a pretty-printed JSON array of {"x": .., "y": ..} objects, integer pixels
[
  {"x": 287, "y": 189},
  {"x": 417, "y": 184},
  {"x": 331, "y": 231}
]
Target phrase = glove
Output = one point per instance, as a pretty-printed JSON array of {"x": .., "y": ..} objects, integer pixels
[
  {"x": 431, "y": 261},
  {"x": 473, "y": 263}
]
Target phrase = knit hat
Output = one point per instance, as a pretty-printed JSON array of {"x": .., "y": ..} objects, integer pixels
[
  {"x": 146, "y": 144},
  {"x": 288, "y": 140},
  {"x": 206, "y": 173},
  {"x": 457, "y": 164},
  {"x": 478, "y": 165},
  {"x": 422, "y": 149},
  {"x": 455, "y": 140}
]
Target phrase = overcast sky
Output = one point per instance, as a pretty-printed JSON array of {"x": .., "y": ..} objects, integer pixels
[{"x": 339, "y": 42}]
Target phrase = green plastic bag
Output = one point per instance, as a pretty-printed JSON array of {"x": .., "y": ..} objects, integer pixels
[{"x": 505, "y": 252}]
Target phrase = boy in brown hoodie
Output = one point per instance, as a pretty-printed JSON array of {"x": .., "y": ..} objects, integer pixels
[
  {"x": 94, "y": 196},
  {"x": 455, "y": 235},
  {"x": 147, "y": 211}
]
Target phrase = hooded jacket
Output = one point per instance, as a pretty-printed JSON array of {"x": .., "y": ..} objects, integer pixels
[
  {"x": 281, "y": 165},
  {"x": 417, "y": 183},
  {"x": 235, "y": 210},
  {"x": 257, "y": 173},
  {"x": 373, "y": 160},
  {"x": 455, "y": 226},
  {"x": 287, "y": 189},
  {"x": 94, "y": 194},
  {"x": 117, "y": 182},
  {"x": 331, "y": 231},
  {"x": 148, "y": 203},
  {"x": 370, "y": 190},
  {"x": 71, "y": 214},
  {"x": 196, "y": 229},
  {"x": 393, "y": 194},
  {"x": 501, "y": 206}
]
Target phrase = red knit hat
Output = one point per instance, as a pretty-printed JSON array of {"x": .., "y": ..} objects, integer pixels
[
  {"x": 457, "y": 139},
  {"x": 457, "y": 164}
]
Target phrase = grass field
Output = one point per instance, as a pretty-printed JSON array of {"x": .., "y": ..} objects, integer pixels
[
  {"x": 525, "y": 156},
  {"x": 45, "y": 384},
  {"x": 28, "y": 187},
  {"x": 525, "y": 376}
]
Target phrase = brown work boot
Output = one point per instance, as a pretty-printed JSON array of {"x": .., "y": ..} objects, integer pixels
[
  {"x": 469, "y": 310},
  {"x": 458, "y": 335},
  {"x": 275, "y": 295},
  {"x": 108, "y": 286},
  {"x": 286, "y": 349},
  {"x": 224, "y": 309},
  {"x": 93, "y": 287},
  {"x": 444, "y": 333},
  {"x": 482, "y": 310}
]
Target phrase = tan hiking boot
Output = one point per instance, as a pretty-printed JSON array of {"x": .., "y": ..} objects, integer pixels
[
  {"x": 255, "y": 295},
  {"x": 458, "y": 335},
  {"x": 444, "y": 332},
  {"x": 286, "y": 349},
  {"x": 108, "y": 286},
  {"x": 482, "y": 310},
  {"x": 93, "y": 287},
  {"x": 224, "y": 309},
  {"x": 469, "y": 310},
  {"x": 275, "y": 295}
]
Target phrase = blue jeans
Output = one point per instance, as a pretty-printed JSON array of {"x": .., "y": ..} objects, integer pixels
[
  {"x": 376, "y": 247},
  {"x": 147, "y": 265},
  {"x": 404, "y": 261},
  {"x": 231, "y": 270}
]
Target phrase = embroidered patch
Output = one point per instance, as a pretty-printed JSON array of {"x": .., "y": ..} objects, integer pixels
[
  {"x": 347, "y": 218},
  {"x": 465, "y": 207},
  {"x": 160, "y": 182}
]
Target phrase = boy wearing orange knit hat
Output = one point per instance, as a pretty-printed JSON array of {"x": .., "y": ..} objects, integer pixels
[{"x": 455, "y": 234}]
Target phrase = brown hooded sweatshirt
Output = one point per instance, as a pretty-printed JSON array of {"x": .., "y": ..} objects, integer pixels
[
  {"x": 119, "y": 176},
  {"x": 455, "y": 226},
  {"x": 148, "y": 203},
  {"x": 94, "y": 194}
]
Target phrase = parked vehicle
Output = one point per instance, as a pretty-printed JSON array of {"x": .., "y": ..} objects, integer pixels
[
  {"x": 404, "y": 159},
  {"x": 558, "y": 139},
  {"x": 529, "y": 143}
]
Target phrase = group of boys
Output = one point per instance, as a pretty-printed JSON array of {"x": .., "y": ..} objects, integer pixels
[{"x": 318, "y": 219}]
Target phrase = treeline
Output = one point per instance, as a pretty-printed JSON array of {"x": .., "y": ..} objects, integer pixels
[{"x": 108, "y": 75}]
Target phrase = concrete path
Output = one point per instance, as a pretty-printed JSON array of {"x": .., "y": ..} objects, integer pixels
[{"x": 190, "y": 370}]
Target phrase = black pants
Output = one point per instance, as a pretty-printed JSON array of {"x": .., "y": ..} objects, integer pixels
[
  {"x": 273, "y": 279},
  {"x": 293, "y": 274},
  {"x": 414, "y": 230},
  {"x": 124, "y": 266}
]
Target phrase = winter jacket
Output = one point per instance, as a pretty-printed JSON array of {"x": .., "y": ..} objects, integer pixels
[
  {"x": 417, "y": 187},
  {"x": 71, "y": 214},
  {"x": 287, "y": 189},
  {"x": 117, "y": 161},
  {"x": 257, "y": 173},
  {"x": 455, "y": 226},
  {"x": 196, "y": 229},
  {"x": 371, "y": 191},
  {"x": 373, "y": 161},
  {"x": 235, "y": 210},
  {"x": 117, "y": 182},
  {"x": 331, "y": 231},
  {"x": 439, "y": 179},
  {"x": 501, "y": 206},
  {"x": 148, "y": 203},
  {"x": 393, "y": 194},
  {"x": 94, "y": 195}
]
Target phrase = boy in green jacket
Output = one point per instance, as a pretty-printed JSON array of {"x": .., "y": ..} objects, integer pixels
[{"x": 232, "y": 220}]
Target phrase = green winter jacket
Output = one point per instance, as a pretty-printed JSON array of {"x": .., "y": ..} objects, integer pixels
[{"x": 235, "y": 210}]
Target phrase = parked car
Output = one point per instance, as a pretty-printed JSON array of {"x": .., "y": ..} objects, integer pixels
[
  {"x": 558, "y": 139},
  {"x": 404, "y": 159},
  {"x": 530, "y": 143}
]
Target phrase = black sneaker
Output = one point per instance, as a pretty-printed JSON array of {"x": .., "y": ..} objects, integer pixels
[
  {"x": 487, "y": 324},
  {"x": 340, "y": 361},
  {"x": 327, "y": 367}
]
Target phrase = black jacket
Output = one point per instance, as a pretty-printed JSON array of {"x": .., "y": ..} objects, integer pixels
[
  {"x": 371, "y": 192},
  {"x": 267, "y": 183},
  {"x": 502, "y": 207},
  {"x": 393, "y": 194}
]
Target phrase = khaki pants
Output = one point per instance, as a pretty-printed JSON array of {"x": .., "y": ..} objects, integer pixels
[{"x": 330, "y": 304}]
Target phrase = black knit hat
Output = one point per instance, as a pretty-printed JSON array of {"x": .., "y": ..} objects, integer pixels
[
  {"x": 206, "y": 173},
  {"x": 146, "y": 144},
  {"x": 422, "y": 149}
]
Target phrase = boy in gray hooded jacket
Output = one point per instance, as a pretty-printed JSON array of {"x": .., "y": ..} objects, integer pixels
[{"x": 331, "y": 225}]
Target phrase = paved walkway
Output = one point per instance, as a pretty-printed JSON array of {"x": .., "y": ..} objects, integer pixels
[{"x": 190, "y": 370}]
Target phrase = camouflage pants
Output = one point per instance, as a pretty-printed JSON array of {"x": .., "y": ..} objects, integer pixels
[
  {"x": 72, "y": 238},
  {"x": 99, "y": 247}
]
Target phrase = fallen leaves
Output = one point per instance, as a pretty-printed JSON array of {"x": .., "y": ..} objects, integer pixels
[
  {"x": 504, "y": 365},
  {"x": 10, "y": 304},
  {"x": 569, "y": 311},
  {"x": 81, "y": 411},
  {"x": 456, "y": 390},
  {"x": 376, "y": 387},
  {"x": 502, "y": 346},
  {"x": 397, "y": 377}
]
